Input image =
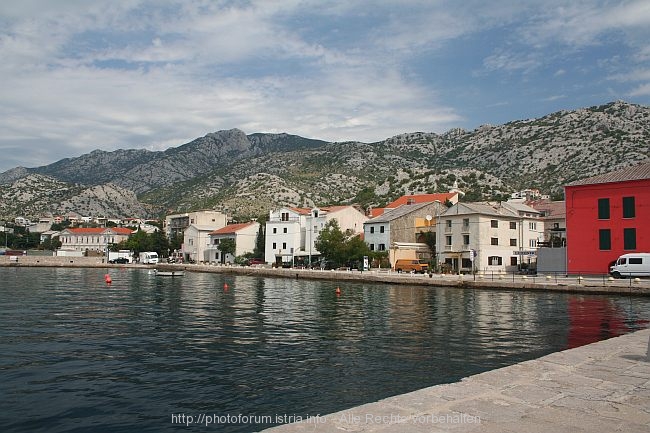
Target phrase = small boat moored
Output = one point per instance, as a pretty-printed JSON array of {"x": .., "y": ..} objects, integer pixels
[{"x": 169, "y": 273}]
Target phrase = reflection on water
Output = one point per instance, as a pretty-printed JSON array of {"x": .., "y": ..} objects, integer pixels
[{"x": 78, "y": 354}]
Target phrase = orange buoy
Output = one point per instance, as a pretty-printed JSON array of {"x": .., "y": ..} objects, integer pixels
[
  {"x": 338, "y": 291},
  {"x": 108, "y": 279}
]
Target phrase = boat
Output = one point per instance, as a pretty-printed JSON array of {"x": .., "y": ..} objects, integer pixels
[{"x": 169, "y": 273}]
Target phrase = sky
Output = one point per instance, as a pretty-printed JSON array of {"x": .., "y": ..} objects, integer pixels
[{"x": 80, "y": 75}]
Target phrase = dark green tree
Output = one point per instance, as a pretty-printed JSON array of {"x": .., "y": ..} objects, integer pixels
[
  {"x": 354, "y": 249},
  {"x": 331, "y": 242},
  {"x": 160, "y": 243},
  {"x": 260, "y": 242},
  {"x": 227, "y": 246}
]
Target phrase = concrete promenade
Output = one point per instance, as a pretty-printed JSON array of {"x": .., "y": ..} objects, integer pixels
[
  {"x": 601, "y": 387},
  {"x": 492, "y": 281}
]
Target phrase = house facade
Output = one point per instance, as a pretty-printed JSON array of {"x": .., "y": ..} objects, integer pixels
[
  {"x": 399, "y": 231},
  {"x": 175, "y": 225},
  {"x": 607, "y": 216},
  {"x": 488, "y": 237},
  {"x": 291, "y": 232},
  {"x": 92, "y": 239},
  {"x": 244, "y": 236},
  {"x": 196, "y": 241}
]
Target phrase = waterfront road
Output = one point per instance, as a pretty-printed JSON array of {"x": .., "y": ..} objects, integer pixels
[
  {"x": 485, "y": 280},
  {"x": 601, "y": 387}
]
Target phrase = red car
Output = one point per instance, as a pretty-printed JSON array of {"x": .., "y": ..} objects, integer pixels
[{"x": 252, "y": 262}]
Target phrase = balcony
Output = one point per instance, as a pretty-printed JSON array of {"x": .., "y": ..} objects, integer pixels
[{"x": 449, "y": 247}]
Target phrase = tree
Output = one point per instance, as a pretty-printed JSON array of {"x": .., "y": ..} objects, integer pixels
[
  {"x": 159, "y": 243},
  {"x": 331, "y": 242},
  {"x": 260, "y": 248},
  {"x": 227, "y": 246},
  {"x": 355, "y": 248},
  {"x": 137, "y": 242}
]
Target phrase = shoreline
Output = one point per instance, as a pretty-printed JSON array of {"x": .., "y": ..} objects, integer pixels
[{"x": 551, "y": 283}]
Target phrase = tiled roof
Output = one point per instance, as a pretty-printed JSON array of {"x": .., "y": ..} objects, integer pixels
[
  {"x": 421, "y": 198},
  {"x": 635, "y": 172},
  {"x": 230, "y": 229},
  {"x": 392, "y": 214},
  {"x": 482, "y": 208},
  {"x": 300, "y": 210},
  {"x": 100, "y": 230}
]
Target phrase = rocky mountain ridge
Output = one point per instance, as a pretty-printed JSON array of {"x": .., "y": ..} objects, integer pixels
[{"x": 246, "y": 175}]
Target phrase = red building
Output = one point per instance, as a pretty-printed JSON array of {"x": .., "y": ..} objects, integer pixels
[{"x": 607, "y": 216}]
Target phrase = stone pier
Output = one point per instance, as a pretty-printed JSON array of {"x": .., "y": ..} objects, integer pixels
[{"x": 601, "y": 387}]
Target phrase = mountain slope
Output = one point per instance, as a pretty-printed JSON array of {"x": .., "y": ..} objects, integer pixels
[{"x": 248, "y": 175}]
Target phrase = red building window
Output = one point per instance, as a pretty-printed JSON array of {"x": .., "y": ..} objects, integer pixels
[
  {"x": 603, "y": 208},
  {"x": 605, "y": 239},
  {"x": 628, "y": 207},
  {"x": 629, "y": 239}
]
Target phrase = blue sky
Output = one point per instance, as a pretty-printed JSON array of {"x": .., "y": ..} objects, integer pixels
[{"x": 79, "y": 75}]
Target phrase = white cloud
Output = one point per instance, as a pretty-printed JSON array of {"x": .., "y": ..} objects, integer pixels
[
  {"x": 642, "y": 90},
  {"x": 78, "y": 75}
]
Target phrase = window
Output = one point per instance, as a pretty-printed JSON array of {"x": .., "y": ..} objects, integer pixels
[
  {"x": 465, "y": 223},
  {"x": 513, "y": 242},
  {"x": 448, "y": 223},
  {"x": 532, "y": 226},
  {"x": 382, "y": 247},
  {"x": 448, "y": 240},
  {"x": 372, "y": 229},
  {"x": 315, "y": 214},
  {"x": 275, "y": 230},
  {"x": 275, "y": 245},
  {"x": 628, "y": 207},
  {"x": 285, "y": 216},
  {"x": 636, "y": 260},
  {"x": 466, "y": 263},
  {"x": 284, "y": 245},
  {"x": 465, "y": 239},
  {"x": 603, "y": 208},
  {"x": 629, "y": 239},
  {"x": 513, "y": 261},
  {"x": 513, "y": 225},
  {"x": 381, "y": 229},
  {"x": 284, "y": 230},
  {"x": 372, "y": 247},
  {"x": 532, "y": 243},
  {"x": 494, "y": 241},
  {"x": 494, "y": 224},
  {"x": 604, "y": 239},
  {"x": 495, "y": 261}
]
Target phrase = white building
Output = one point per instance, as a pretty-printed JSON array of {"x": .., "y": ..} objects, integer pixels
[
  {"x": 400, "y": 231},
  {"x": 244, "y": 235},
  {"x": 176, "y": 224},
  {"x": 292, "y": 232},
  {"x": 196, "y": 241},
  {"x": 498, "y": 236},
  {"x": 92, "y": 239}
]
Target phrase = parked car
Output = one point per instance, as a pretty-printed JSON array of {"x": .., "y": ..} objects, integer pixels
[
  {"x": 411, "y": 265},
  {"x": 119, "y": 261},
  {"x": 254, "y": 261}
]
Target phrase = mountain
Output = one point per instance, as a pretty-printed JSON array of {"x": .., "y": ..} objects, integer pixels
[{"x": 249, "y": 174}]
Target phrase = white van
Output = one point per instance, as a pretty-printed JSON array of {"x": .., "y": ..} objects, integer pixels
[
  {"x": 631, "y": 265},
  {"x": 149, "y": 257}
]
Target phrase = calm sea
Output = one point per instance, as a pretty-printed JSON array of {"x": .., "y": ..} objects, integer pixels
[{"x": 80, "y": 355}]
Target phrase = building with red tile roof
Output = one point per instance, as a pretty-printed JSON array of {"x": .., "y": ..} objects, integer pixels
[
  {"x": 96, "y": 239},
  {"x": 607, "y": 216}
]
